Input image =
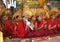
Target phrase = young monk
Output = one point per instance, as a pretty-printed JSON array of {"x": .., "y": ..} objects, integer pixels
[
  {"x": 33, "y": 19},
  {"x": 52, "y": 25},
  {"x": 40, "y": 26},
  {"x": 45, "y": 23},
  {"x": 21, "y": 29},
  {"x": 7, "y": 30},
  {"x": 15, "y": 24}
]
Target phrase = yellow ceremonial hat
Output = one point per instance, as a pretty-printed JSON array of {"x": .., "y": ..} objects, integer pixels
[
  {"x": 18, "y": 13},
  {"x": 55, "y": 9},
  {"x": 39, "y": 11},
  {"x": 27, "y": 13}
]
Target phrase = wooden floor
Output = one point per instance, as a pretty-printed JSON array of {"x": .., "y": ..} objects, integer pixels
[{"x": 38, "y": 39}]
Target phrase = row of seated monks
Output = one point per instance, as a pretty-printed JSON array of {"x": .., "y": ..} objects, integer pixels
[{"x": 19, "y": 28}]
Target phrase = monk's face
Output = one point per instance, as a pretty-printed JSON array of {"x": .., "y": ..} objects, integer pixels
[
  {"x": 33, "y": 18},
  {"x": 53, "y": 17},
  {"x": 43, "y": 15},
  {"x": 18, "y": 18},
  {"x": 5, "y": 17},
  {"x": 39, "y": 18}
]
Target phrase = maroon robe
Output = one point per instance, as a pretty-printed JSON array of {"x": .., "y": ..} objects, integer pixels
[
  {"x": 7, "y": 30},
  {"x": 37, "y": 33},
  {"x": 20, "y": 32},
  {"x": 54, "y": 30}
]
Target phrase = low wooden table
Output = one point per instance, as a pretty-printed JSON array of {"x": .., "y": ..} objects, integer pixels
[{"x": 38, "y": 39}]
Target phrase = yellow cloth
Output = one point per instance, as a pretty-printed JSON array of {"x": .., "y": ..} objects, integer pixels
[
  {"x": 47, "y": 15},
  {"x": 27, "y": 13},
  {"x": 1, "y": 37}
]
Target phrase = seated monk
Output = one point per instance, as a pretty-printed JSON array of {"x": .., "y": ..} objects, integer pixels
[
  {"x": 52, "y": 25},
  {"x": 7, "y": 30}
]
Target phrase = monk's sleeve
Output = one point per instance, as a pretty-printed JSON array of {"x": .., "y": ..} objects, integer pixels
[{"x": 20, "y": 31}]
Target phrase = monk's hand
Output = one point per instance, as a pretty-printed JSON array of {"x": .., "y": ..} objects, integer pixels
[
  {"x": 37, "y": 29},
  {"x": 44, "y": 22},
  {"x": 15, "y": 28},
  {"x": 53, "y": 27},
  {"x": 26, "y": 29}
]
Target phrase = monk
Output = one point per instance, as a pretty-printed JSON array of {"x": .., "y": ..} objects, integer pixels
[
  {"x": 42, "y": 24},
  {"x": 52, "y": 25},
  {"x": 20, "y": 30},
  {"x": 14, "y": 24},
  {"x": 33, "y": 19},
  {"x": 7, "y": 30}
]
